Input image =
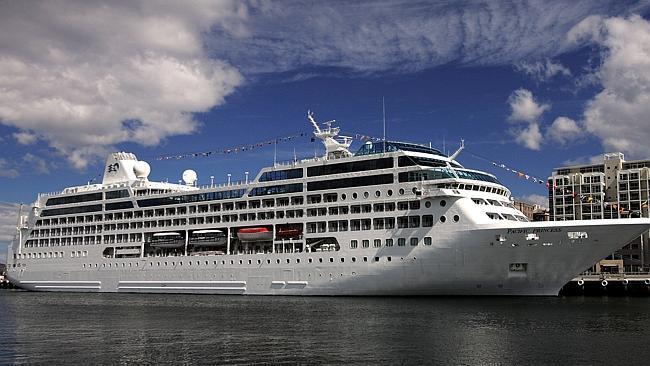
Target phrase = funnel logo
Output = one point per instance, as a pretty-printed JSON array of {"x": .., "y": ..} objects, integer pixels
[{"x": 112, "y": 168}]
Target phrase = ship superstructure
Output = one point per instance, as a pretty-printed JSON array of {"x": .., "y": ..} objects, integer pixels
[{"x": 393, "y": 218}]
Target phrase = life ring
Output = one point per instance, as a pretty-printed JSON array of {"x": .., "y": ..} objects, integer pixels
[
  {"x": 626, "y": 282},
  {"x": 647, "y": 281},
  {"x": 581, "y": 282},
  {"x": 604, "y": 283}
]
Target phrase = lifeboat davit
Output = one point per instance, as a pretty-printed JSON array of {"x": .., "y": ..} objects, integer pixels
[{"x": 255, "y": 234}]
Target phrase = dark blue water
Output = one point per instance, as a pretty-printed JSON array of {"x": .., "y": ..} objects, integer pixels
[{"x": 51, "y": 328}]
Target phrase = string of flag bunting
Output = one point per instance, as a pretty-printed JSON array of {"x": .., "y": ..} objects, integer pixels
[
  {"x": 517, "y": 172},
  {"x": 249, "y": 147},
  {"x": 234, "y": 150}
]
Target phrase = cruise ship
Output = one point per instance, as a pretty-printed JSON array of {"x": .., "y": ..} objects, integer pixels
[{"x": 393, "y": 218}]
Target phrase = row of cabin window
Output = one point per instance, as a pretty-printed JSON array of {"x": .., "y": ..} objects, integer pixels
[
  {"x": 381, "y": 223},
  {"x": 240, "y": 262},
  {"x": 73, "y": 254},
  {"x": 214, "y": 207},
  {"x": 401, "y": 242}
]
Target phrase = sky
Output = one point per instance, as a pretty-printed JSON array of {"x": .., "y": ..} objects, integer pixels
[{"x": 530, "y": 84}]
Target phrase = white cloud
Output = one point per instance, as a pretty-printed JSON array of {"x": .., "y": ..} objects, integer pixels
[
  {"x": 542, "y": 70},
  {"x": 524, "y": 108},
  {"x": 618, "y": 115},
  {"x": 366, "y": 37},
  {"x": 7, "y": 170},
  {"x": 529, "y": 136},
  {"x": 537, "y": 199},
  {"x": 36, "y": 164},
  {"x": 84, "y": 75},
  {"x": 564, "y": 130},
  {"x": 25, "y": 138},
  {"x": 584, "y": 160}
]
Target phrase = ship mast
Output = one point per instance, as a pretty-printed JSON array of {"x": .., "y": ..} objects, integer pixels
[{"x": 334, "y": 148}]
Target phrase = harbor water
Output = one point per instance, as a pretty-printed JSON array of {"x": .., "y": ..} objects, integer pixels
[{"x": 68, "y": 328}]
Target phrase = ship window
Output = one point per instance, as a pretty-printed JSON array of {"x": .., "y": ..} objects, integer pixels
[
  {"x": 365, "y": 243},
  {"x": 427, "y": 204},
  {"x": 389, "y": 192},
  {"x": 122, "y": 193},
  {"x": 427, "y": 240},
  {"x": 443, "y": 219},
  {"x": 427, "y": 220},
  {"x": 456, "y": 218},
  {"x": 365, "y": 259},
  {"x": 331, "y": 260},
  {"x": 355, "y": 166},
  {"x": 376, "y": 259},
  {"x": 389, "y": 242},
  {"x": 443, "y": 203},
  {"x": 320, "y": 260},
  {"x": 401, "y": 242},
  {"x": 377, "y": 243},
  {"x": 281, "y": 175},
  {"x": 342, "y": 259},
  {"x": 414, "y": 242}
]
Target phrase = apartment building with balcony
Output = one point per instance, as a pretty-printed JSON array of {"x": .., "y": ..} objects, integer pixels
[{"x": 613, "y": 189}]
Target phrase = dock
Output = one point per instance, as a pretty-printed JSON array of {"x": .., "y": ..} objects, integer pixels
[{"x": 608, "y": 284}]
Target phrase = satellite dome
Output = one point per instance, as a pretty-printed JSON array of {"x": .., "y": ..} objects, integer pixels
[
  {"x": 141, "y": 169},
  {"x": 189, "y": 177}
]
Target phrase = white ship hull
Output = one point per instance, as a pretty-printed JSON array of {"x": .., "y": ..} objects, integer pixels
[{"x": 461, "y": 262}]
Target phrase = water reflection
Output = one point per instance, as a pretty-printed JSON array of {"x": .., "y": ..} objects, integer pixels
[{"x": 124, "y": 328}]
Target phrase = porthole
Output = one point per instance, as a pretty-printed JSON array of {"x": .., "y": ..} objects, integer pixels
[
  {"x": 456, "y": 218},
  {"x": 427, "y": 204},
  {"x": 389, "y": 192},
  {"x": 288, "y": 260},
  {"x": 310, "y": 260},
  {"x": 414, "y": 190},
  {"x": 443, "y": 203},
  {"x": 331, "y": 260},
  {"x": 377, "y": 193},
  {"x": 401, "y": 191},
  {"x": 365, "y": 194},
  {"x": 277, "y": 261},
  {"x": 443, "y": 219},
  {"x": 320, "y": 260},
  {"x": 343, "y": 196},
  {"x": 354, "y": 195}
]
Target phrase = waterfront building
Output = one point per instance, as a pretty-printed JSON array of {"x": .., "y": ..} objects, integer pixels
[{"x": 613, "y": 189}]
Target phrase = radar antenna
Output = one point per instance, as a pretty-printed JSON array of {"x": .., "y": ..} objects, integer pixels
[{"x": 334, "y": 148}]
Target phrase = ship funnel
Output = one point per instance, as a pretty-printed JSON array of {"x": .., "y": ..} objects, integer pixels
[{"x": 124, "y": 167}]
